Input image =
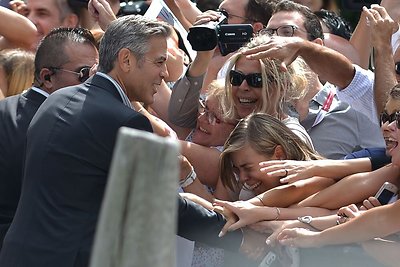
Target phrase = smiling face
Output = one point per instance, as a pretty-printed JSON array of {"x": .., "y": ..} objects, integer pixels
[
  {"x": 246, "y": 99},
  {"x": 211, "y": 130},
  {"x": 144, "y": 78},
  {"x": 246, "y": 167},
  {"x": 389, "y": 129}
]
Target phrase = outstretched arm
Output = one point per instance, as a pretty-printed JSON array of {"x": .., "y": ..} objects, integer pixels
[
  {"x": 17, "y": 30},
  {"x": 378, "y": 222},
  {"x": 322, "y": 60}
]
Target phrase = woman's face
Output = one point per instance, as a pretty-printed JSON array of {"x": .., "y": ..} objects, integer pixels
[
  {"x": 390, "y": 131},
  {"x": 246, "y": 98},
  {"x": 389, "y": 128},
  {"x": 211, "y": 130},
  {"x": 246, "y": 167}
]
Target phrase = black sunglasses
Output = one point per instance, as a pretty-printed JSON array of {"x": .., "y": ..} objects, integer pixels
[
  {"x": 397, "y": 67},
  {"x": 384, "y": 118},
  {"x": 253, "y": 79},
  {"x": 83, "y": 73}
]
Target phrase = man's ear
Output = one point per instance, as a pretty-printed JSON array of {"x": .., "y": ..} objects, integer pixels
[
  {"x": 71, "y": 20},
  {"x": 279, "y": 153},
  {"x": 318, "y": 41},
  {"x": 126, "y": 60},
  {"x": 45, "y": 79},
  {"x": 257, "y": 26}
]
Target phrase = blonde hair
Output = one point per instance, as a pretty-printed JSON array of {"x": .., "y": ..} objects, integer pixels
[
  {"x": 263, "y": 133},
  {"x": 18, "y": 66},
  {"x": 278, "y": 87}
]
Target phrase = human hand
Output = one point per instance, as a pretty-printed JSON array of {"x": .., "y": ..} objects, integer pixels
[
  {"x": 370, "y": 203},
  {"x": 381, "y": 24},
  {"x": 299, "y": 237},
  {"x": 277, "y": 228},
  {"x": 289, "y": 171},
  {"x": 246, "y": 213},
  {"x": 206, "y": 17},
  {"x": 393, "y": 8},
  {"x": 284, "y": 49},
  {"x": 348, "y": 212},
  {"x": 20, "y": 7},
  {"x": 101, "y": 12}
]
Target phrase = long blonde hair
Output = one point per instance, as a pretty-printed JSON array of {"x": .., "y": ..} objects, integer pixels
[
  {"x": 263, "y": 133},
  {"x": 278, "y": 87},
  {"x": 18, "y": 66}
]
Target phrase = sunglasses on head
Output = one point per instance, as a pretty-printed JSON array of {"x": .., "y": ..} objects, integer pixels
[
  {"x": 83, "y": 73},
  {"x": 386, "y": 118},
  {"x": 236, "y": 78}
]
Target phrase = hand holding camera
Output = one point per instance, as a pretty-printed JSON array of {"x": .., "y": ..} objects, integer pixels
[{"x": 211, "y": 30}]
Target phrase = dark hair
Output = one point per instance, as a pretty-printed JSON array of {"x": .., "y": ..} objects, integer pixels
[
  {"x": 311, "y": 21},
  {"x": 51, "y": 50},
  {"x": 335, "y": 23},
  {"x": 260, "y": 10}
]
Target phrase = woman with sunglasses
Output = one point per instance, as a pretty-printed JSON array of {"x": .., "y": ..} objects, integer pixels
[{"x": 260, "y": 86}]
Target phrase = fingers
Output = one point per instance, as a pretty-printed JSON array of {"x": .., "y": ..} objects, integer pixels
[
  {"x": 226, "y": 227},
  {"x": 370, "y": 203}
]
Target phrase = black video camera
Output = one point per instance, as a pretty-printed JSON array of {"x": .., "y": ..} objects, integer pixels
[{"x": 228, "y": 37}]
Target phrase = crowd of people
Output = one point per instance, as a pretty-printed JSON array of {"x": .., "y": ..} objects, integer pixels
[{"x": 285, "y": 142}]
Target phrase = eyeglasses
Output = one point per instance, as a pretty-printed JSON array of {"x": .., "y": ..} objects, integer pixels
[
  {"x": 211, "y": 117},
  {"x": 83, "y": 73},
  {"x": 384, "y": 118},
  {"x": 236, "y": 78},
  {"x": 229, "y": 15},
  {"x": 397, "y": 67},
  {"x": 284, "y": 30}
]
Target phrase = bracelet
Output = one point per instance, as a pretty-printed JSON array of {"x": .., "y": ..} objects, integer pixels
[
  {"x": 189, "y": 179},
  {"x": 278, "y": 213},
  {"x": 261, "y": 200}
]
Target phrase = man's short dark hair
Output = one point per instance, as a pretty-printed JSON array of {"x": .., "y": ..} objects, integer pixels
[
  {"x": 311, "y": 21},
  {"x": 51, "y": 50},
  {"x": 260, "y": 10},
  {"x": 335, "y": 23}
]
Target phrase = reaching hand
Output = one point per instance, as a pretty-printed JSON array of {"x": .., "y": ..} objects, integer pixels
[
  {"x": 285, "y": 49},
  {"x": 246, "y": 213},
  {"x": 20, "y": 7},
  {"x": 381, "y": 24},
  {"x": 102, "y": 13},
  {"x": 299, "y": 237},
  {"x": 289, "y": 171}
]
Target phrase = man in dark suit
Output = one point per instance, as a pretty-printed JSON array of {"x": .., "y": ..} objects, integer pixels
[
  {"x": 70, "y": 142},
  {"x": 67, "y": 49}
]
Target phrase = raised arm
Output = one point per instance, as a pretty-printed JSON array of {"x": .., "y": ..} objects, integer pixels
[
  {"x": 322, "y": 60},
  {"x": 382, "y": 28},
  {"x": 16, "y": 30}
]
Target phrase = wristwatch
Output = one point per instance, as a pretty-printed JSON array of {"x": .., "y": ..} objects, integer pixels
[{"x": 308, "y": 220}]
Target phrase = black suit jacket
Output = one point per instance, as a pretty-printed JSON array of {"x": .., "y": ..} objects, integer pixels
[
  {"x": 16, "y": 113},
  {"x": 69, "y": 148}
]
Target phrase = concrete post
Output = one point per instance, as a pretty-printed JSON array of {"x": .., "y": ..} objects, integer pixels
[{"x": 137, "y": 223}]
